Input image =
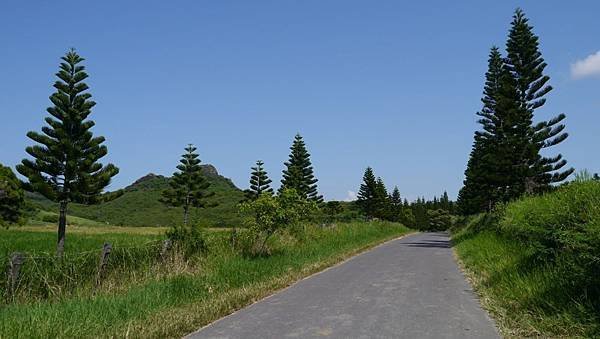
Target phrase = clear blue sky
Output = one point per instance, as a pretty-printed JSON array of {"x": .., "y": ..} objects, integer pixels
[{"x": 388, "y": 84}]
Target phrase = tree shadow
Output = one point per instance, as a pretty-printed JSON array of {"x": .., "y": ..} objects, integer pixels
[{"x": 430, "y": 244}]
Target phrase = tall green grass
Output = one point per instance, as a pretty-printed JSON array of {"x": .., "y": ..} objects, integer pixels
[
  {"x": 536, "y": 262},
  {"x": 174, "y": 305}
]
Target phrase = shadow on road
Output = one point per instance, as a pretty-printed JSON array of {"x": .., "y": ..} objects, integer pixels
[{"x": 430, "y": 244}]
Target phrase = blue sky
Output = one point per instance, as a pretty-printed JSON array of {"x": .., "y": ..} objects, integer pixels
[{"x": 388, "y": 84}]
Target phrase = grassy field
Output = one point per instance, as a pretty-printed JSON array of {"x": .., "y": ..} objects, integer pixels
[
  {"x": 535, "y": 263},
  {"x": 184, "y": 299},
  {"x": 42, "y": 239}
]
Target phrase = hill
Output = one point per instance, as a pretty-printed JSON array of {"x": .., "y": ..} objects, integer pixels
[{"x": 138, "y": 204}]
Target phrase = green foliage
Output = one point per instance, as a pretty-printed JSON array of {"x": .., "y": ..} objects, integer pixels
[
  {"x": 367, "y": 192},
  {"x": 506, "y": 159},
  {"x": 188, "y": 186},
  {"x": 298, "y": 174},
  {"x": 259, "y": 182},
  {"x": 439, "y": 220},
  {"x": 12, "y": 198},
  {"x": 65, "y": 166},
  {"x": 543, "y": 253},
  {"x": 140, "y": 205},
  {"x": 269, "y": 214},
  {"x": 190, "y": 240}
]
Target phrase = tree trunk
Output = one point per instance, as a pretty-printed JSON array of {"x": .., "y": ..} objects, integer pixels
[
  {"x": 62, "y": 228},
  {"x": 185, "y": 215}
]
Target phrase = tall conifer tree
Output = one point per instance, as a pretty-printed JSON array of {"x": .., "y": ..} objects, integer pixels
[
  {"x": 298, "y": 174},
  {"x": 526, "y": 65},
  {"x": 65, "y": 167},
  {"x": 259, "y": 182},
  {"x": 367, "y": 192},
  {"x": 188, "y": 186}
]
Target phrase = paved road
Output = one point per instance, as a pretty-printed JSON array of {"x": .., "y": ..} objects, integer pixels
[{"x": 406, "y": 288}]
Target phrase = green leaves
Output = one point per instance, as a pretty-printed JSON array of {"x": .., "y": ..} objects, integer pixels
[
  {"x": 12, "y": 198},
  {"x": 64, "y": 165},
  {"x": 298, "y": 174},
  {"x": 188, "y": 187},
  {"x": 259, "y": 182}
]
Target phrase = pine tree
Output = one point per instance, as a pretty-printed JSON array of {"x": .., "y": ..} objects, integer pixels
[
  {"x": 65, "y": 166},
  {"x": 298, "y": 174},
  {"x": 485, "y": 173},
  {"x": 526, "y": 65},
  {"x": 188, "y": 186},
  {"x": 382, "y": 200},
  {"x": 12, "y": 198},
  {"x": 366, "y": 193},
  {"x": 395, "y": 198},
  {"x": 259, "y": 182}
]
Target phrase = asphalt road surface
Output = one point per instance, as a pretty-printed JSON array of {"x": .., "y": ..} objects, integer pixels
[{"x": 407, "y": 288}]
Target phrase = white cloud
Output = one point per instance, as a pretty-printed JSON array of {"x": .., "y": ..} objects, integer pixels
[
  {"x": 586, "y": 67},
  {"x": 351, "y": 196}
]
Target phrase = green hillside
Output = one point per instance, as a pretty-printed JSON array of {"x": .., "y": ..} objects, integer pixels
[{"x": 138, "y": 204}]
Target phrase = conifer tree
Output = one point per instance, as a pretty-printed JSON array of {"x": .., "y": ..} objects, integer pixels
[
  {"x": 65, "y": 167},
  {"x": 526, "y": 65},
  {"x": 298, "y": 174},
  {"x": 12, "y": 198},
  {"x": 188, "y": 186},
  {"x": 259, "y": 182},
  {"x": 488, "y": 162},
  {"x": 382, "y": 200},
  {"x": 367, "y": 192},
  {"x": 395, "y": 198}
]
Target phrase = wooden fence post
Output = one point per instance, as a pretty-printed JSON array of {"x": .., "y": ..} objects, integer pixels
[
  {"x": 166, "y": 247},
  {"x": 106, "y": 249},
  {"x": 14, "y": 267}
]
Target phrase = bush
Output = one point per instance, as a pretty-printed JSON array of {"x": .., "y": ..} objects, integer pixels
[
  {"x": 188, "y": 239},
  {"x": 269, "y": 214},
  {"x": 12, "y": 198},
  {"x": 560, "y": 229},
  {"x": 439, "y": 220}
]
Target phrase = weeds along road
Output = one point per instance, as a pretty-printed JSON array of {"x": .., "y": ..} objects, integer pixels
[{"x": 407, "y": 288}]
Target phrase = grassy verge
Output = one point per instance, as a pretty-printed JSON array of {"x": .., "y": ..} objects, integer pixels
[
  {"x": 535, "y": 263},
  {"x": 174, "y": 305}
]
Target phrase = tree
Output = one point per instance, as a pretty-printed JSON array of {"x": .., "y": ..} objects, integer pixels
[
  {"x": 486, "y": 168},
  {"x": 259, "y": 182},
  {"x": 12, "y": 198},
  {"x": 526, "y": 65},
  {"x": 298, "y": 174},
  {"x": 366, "y": 193},
  {"x": 65, "y": 167},
  {"x": 382, "y": 200},
  {"x": 395, "y": 198},
  {"x": 188, "y": 187}
]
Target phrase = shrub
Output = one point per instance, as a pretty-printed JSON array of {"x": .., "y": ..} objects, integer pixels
[
  {"x": 269, "y": 214},
  {"x": 188, "y": 239},
  {"x": 562, "y": 227},
  {"x": 439, "y": 220},
  {"x": 12, "y": 198}
]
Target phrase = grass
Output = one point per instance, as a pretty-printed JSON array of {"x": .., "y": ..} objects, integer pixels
[
  {"x": 176, "y": 304},
  {"x": 42, "y": 239},
  {"x": 535, "y": 263}
]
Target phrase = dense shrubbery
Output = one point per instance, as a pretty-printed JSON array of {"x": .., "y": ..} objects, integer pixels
[
  {"x": 563, "y": 226},
  {"x": 540, "y": 255},
  {"x": 188, "y": 239},
  {"x": 269, "y": 214},
  {"x": 12, "y": 198}
]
